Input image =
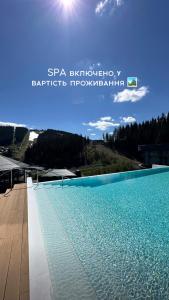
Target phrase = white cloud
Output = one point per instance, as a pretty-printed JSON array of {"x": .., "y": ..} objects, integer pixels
[
  {"x": 102, "y": 124},
  {"x": 107, "y": 5},
  {"x": 12, "y": 124},
  {"x": 128, "y": 119},
  {"x": 106, "y": 119},
  {"x": 132, "y": 95},
  {"x": 89, "y": 129},
  {"x": 119, "y": 2},
  {"x": 93, "y": 134},
  {"x": 101, "y": 7}
]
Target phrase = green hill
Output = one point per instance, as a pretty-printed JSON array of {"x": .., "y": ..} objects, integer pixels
[{"x": 101, "y": 159}]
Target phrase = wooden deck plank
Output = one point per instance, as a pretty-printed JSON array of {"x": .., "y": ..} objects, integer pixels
[
  {"x": 12, "y": 290},
  {"x": 14, "y": 270},
  {"x": 24, "y": 284},
  {"x": 4, "y": 216},
  {"x": 5, "y": 252},
  {"x": 24, "y": 296}
]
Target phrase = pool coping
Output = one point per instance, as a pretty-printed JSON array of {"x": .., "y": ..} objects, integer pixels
[
  {"x": 154, "y": 166},
  {"x": 39, "y": 277}
]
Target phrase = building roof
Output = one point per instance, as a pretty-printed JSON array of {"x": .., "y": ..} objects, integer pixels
[
  {"x": 58, "y": 173},
  {"x": 7, "y": 163}
]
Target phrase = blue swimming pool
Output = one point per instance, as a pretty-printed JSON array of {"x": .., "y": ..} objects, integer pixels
[{"x": 107, "y": 237}]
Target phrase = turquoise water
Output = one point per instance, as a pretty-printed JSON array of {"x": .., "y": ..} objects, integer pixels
[{"x": 107, "y": 237}]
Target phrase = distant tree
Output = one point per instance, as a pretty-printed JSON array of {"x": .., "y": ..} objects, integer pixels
[
  {"x": 57, "y": 149},
  {"x": 10, "y": 135},
  {"x": 20, "y": 133},
  {"x": 127, "y": 138},
  {"x": 6, "y": 135}
]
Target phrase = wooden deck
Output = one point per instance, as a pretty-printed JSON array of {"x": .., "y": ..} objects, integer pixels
[{"x": 14, "y": 263}]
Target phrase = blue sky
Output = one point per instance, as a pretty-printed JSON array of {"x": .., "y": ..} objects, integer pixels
[{"x": 129, "y": 35}]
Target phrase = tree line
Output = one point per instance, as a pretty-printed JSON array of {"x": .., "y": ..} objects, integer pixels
[
  {"x": 11, "y": 135},
  {"x": 126, "y": 139},
  {"x": 57, "y": 149}
]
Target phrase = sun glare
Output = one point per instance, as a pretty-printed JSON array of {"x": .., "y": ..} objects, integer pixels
[
  {"x": 67, "y": 9},
  {"x": 67, "y": 4}
]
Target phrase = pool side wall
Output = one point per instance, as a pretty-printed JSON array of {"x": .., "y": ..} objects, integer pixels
[{"x": 40, "y": 284}]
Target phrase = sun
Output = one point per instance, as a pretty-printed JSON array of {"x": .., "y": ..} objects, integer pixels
[
  {"x": 67, "y": 9},
  {"x": 67, "y": 4}
]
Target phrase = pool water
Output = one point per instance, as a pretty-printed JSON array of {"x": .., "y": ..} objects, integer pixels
[{"x": 107, "y": 237}]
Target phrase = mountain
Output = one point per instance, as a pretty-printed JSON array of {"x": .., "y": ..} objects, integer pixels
[{"x": 57, "y": 149}]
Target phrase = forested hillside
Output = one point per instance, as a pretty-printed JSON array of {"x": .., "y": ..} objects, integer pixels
[
  {"x": 14, "y": 141},
  {"x": 6, "y": 135},
  {"x": 57, "y": 149},
  {"x": 127, "y": 138},
  {"x": 11, "y": 135},
  {"x": 101, "y": 159}
]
